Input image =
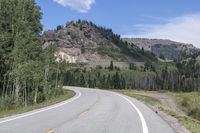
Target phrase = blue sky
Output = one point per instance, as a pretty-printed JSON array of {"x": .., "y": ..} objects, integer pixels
[{"x": 177, "y": 20}]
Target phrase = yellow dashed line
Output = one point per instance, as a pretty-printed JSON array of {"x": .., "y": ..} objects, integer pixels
[
  {"x": 83, "y": 114},
  {"x": 50, "y": 131}
]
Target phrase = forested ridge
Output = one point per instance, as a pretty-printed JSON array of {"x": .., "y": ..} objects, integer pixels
[{"x": 28, "y": 73}]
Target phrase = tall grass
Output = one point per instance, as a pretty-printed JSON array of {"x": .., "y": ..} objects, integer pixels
[{"x": 190, "y": 103}]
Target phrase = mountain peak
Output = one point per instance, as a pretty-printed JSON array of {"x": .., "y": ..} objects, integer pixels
[{"x": 96, "y": 43}]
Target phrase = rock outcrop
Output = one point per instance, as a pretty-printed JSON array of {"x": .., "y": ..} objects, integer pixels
[
  {"x": 84, "y": 42},
  {"x": 78, "y": 41}
]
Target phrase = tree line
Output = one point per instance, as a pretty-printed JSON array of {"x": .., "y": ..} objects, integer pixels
[
  {"x": 183, "y": 76},
  {"x": 28, "y": 73}
]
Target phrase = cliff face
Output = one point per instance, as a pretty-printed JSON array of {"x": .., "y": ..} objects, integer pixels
[
  {"x": 166, "y": 48},
  {"x": 74, "y": 55},
  {"x": 84, "y": 42}
]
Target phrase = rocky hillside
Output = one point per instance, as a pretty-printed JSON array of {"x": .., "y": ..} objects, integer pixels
[
  {"x": 163, "y": 48},
  {"x": 84, "y": 42}
]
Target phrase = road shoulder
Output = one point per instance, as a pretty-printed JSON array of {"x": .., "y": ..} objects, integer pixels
[
  {"x": 163, "y": 105},
  {"x": 68, "y": 94}
]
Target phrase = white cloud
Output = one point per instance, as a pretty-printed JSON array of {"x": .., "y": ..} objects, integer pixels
[
  {"x": 182, "y": 29},
  {"x": 82, "y": 6}
]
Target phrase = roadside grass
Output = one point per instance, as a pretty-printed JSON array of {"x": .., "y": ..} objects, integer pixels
[
  {"x": 146, "y": 99},
  {"x": 191, "y": 124},
  {"x": 21, "y": 109},
  {"x": 188, "y": 103}
]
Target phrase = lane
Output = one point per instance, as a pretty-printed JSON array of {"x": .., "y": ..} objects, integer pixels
[
  {"x": 110, "y": 114},
  {"x": 144, "y": 125},
  {"x": 90, "y": 111}
]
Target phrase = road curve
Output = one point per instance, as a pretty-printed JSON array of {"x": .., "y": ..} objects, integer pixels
[{"x": 90, "y": 111}]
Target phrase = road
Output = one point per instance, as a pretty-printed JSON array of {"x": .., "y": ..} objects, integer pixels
[{"x": 90, "y": 111}]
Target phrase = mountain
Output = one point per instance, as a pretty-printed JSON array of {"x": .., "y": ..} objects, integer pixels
[
  {"x": 163, "y": 48},
  {"x": 85, "y": 42}
]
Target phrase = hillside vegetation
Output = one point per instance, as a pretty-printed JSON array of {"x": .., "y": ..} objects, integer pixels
[{"x": 189, "y": 103}]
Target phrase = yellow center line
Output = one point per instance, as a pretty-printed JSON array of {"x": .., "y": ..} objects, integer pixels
[
  {"x": 83, "y": 114},
  {"x": 50, "y": 131}
]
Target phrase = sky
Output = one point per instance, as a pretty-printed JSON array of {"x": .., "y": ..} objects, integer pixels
[{"x": 177, "y": 20}]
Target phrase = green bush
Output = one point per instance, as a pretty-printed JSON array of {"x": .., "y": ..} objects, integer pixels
[{"x": 7, "y": 103}]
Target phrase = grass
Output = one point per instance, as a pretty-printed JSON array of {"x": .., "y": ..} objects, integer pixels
[
  {"x": 188, "y": 103},
  {"x": 122, "y": 65},
  {"x": 146, "y": 99},
  {"x": 113, "y": 53},
  {"x": 21, "y": 109},
  {"x": 191, "y": 124}
]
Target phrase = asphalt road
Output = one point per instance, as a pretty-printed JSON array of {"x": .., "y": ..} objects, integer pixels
[{"x": 90, "y": 111}]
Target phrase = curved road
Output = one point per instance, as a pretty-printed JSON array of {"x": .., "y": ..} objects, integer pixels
[{"x": 90, "y": 111}]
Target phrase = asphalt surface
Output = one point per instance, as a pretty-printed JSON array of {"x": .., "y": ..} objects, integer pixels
[{"x": 90, "y": 111}]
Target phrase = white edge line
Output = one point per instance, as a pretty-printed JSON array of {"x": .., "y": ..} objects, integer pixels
[
  {"x": 144, "y": 125},
  {"x": 45, "y": 109}
]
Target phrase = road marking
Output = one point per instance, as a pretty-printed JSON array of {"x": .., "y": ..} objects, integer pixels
[
  {"x": 83, "y": 114},
  {"x": 50, "y": 131},
  {"x": 45, "y": 109},
  {"x": 144, "y": 125}
]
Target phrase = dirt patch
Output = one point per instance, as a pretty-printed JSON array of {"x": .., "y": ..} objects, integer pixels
[{"x": 165, "y": 100}]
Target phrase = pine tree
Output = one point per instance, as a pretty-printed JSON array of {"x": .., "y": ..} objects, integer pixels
[
  {"x": 103, "y": 82},
  {"x": 82, "y": 81},
  {"x": 90, "y": 85},
  {"x": 116, "y": 81},
  {"x": 111, "y": 67},
  {"x": 108, "y": 82}
]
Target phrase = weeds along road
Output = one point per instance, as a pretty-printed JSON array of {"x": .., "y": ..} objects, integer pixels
[{"x": 89, "y": 111}]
